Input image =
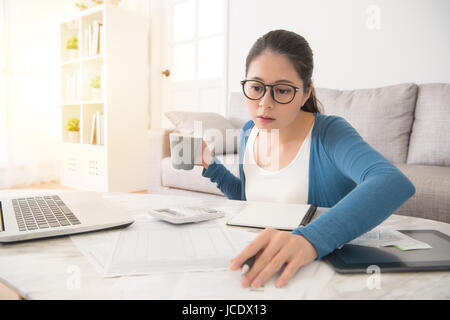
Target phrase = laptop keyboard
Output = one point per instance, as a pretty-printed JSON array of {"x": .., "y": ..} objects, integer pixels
[{"x": 42, "y": 212}]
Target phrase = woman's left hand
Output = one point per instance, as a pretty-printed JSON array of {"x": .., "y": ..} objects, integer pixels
[{"x": 273, "y": 249}]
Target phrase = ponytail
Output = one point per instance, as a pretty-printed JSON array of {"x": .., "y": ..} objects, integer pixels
[{"x": 312, "y": 104}]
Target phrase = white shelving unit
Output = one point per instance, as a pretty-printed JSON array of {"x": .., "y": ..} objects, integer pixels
[{"x": 121, "y": 163}]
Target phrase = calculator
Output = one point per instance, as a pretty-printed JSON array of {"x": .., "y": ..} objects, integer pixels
[{"x": 181, "y": 214}]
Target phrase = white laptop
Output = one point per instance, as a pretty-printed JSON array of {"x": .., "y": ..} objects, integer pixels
[{"x": 26, "y": 218}]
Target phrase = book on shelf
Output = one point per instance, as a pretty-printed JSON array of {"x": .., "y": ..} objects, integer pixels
[
  {"x": 99, "y": 128},
  {"x": 92, "y": 139},
  {"x": 93, "y": 36},
  {"x": 97, "y": 136},
  {"x": 101, "y": 40},
  {"x": 71, "y": 86},
  {"x": 102, "y": 130}
]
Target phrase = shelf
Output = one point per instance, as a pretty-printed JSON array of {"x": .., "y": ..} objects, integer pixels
[
  {"x": 93, "y": 102},
  {"x": 70, "y": 30},
  {"x": 89, "y": 145},
  {"x": 70, "y": 62},
  {"x": 86, "y": 102},
  {"x": 120, "y": 163},
  {"x": 94, "y": 146},
  {"x": 89, "y": 111},
  {"x": 96, "y": 58},
  {"x": 92, "y": 35},
  {"x": 95, "y": 10},
  {"x": 69, "y": 112},
  {"x": 71, "y": 143}
]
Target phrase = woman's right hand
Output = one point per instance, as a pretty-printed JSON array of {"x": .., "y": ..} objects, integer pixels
[{"x": 205, "y": 156}]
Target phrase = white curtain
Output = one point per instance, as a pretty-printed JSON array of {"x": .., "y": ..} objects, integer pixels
[{"x": 30, "y": 118}]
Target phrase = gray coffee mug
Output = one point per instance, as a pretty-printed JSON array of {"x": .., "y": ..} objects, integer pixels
[{"x": 184, "y": 149}]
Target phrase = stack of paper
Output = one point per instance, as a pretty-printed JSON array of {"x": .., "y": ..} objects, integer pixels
[
  {"x": 148, "y": 247},
  {"x": 156, "y": 247}
]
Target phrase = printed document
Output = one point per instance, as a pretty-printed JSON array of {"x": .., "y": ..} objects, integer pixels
[
  {"x": 156, "y": 247},
  {"x": 382, "y": 237}
]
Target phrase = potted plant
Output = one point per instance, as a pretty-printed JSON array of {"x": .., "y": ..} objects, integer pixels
[
  {"x": 85, "y": 4},
  {"x": 72, "y": 47},
  {"x": 73, "y": 130},
  {"x": 95, "y": 85}
]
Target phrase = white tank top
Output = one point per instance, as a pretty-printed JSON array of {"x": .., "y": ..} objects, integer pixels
[{"x": 288, "y": 185}]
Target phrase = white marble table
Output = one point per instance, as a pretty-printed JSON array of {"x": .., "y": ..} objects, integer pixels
[{"x": 56, "y": 269}]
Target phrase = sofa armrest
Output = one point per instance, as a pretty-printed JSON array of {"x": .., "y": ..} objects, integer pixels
[{"x": 159, "y": 146}]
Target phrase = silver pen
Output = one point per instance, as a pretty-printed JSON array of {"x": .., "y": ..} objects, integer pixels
[{"x": 247, "y": 265}]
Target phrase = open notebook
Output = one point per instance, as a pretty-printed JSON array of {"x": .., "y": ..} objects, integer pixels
[{"x": 281, "y": 216}]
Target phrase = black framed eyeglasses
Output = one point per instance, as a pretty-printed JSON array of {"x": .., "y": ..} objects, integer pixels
[{"x": 281, "y": 93}]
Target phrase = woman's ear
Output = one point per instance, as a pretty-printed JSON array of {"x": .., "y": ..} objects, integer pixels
[{"x": 308, "y": 95}]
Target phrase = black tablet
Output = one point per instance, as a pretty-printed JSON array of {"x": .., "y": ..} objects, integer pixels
[{"x": 357, "y": 259}]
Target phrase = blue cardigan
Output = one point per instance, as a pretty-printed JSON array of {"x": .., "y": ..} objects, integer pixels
[{"x": 360, "y": 186}]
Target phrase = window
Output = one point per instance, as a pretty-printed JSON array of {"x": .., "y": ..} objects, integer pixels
[
  {"x": 28, "y": 82},
  {"x": 198, "y": 39},
  {"x": 3, "y": 79},
  {"x": 2, "y": 36}
]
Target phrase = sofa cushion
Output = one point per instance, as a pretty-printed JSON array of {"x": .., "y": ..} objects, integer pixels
[
  {"x": 193, "y": 179},
  {"x": 382, "y": 116},
  {"x": 218, "y": 132},
  {"x": 430, "y": 137},
  {"x": 431, "y": 200}
]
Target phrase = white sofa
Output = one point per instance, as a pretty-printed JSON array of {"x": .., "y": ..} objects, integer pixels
[{"x": 409, "y": 124}]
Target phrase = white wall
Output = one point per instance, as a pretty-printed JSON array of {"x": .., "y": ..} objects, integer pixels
[{"x": 411, "y": 45}]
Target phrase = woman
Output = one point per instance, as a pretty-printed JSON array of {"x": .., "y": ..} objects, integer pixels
[{"x": 312, "y": 158}]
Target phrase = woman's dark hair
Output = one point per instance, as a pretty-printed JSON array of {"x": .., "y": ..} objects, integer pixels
[{"x": 297, "y": 50}]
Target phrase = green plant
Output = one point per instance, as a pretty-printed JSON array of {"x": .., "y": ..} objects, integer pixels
[
  {"x": 95, "y": 82},
  {"x": 72, "y": 43},
  {"x": 73, "y": 124},
  {"x": 84, "y": 4},
  {"x": 80, "y": 5}
]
